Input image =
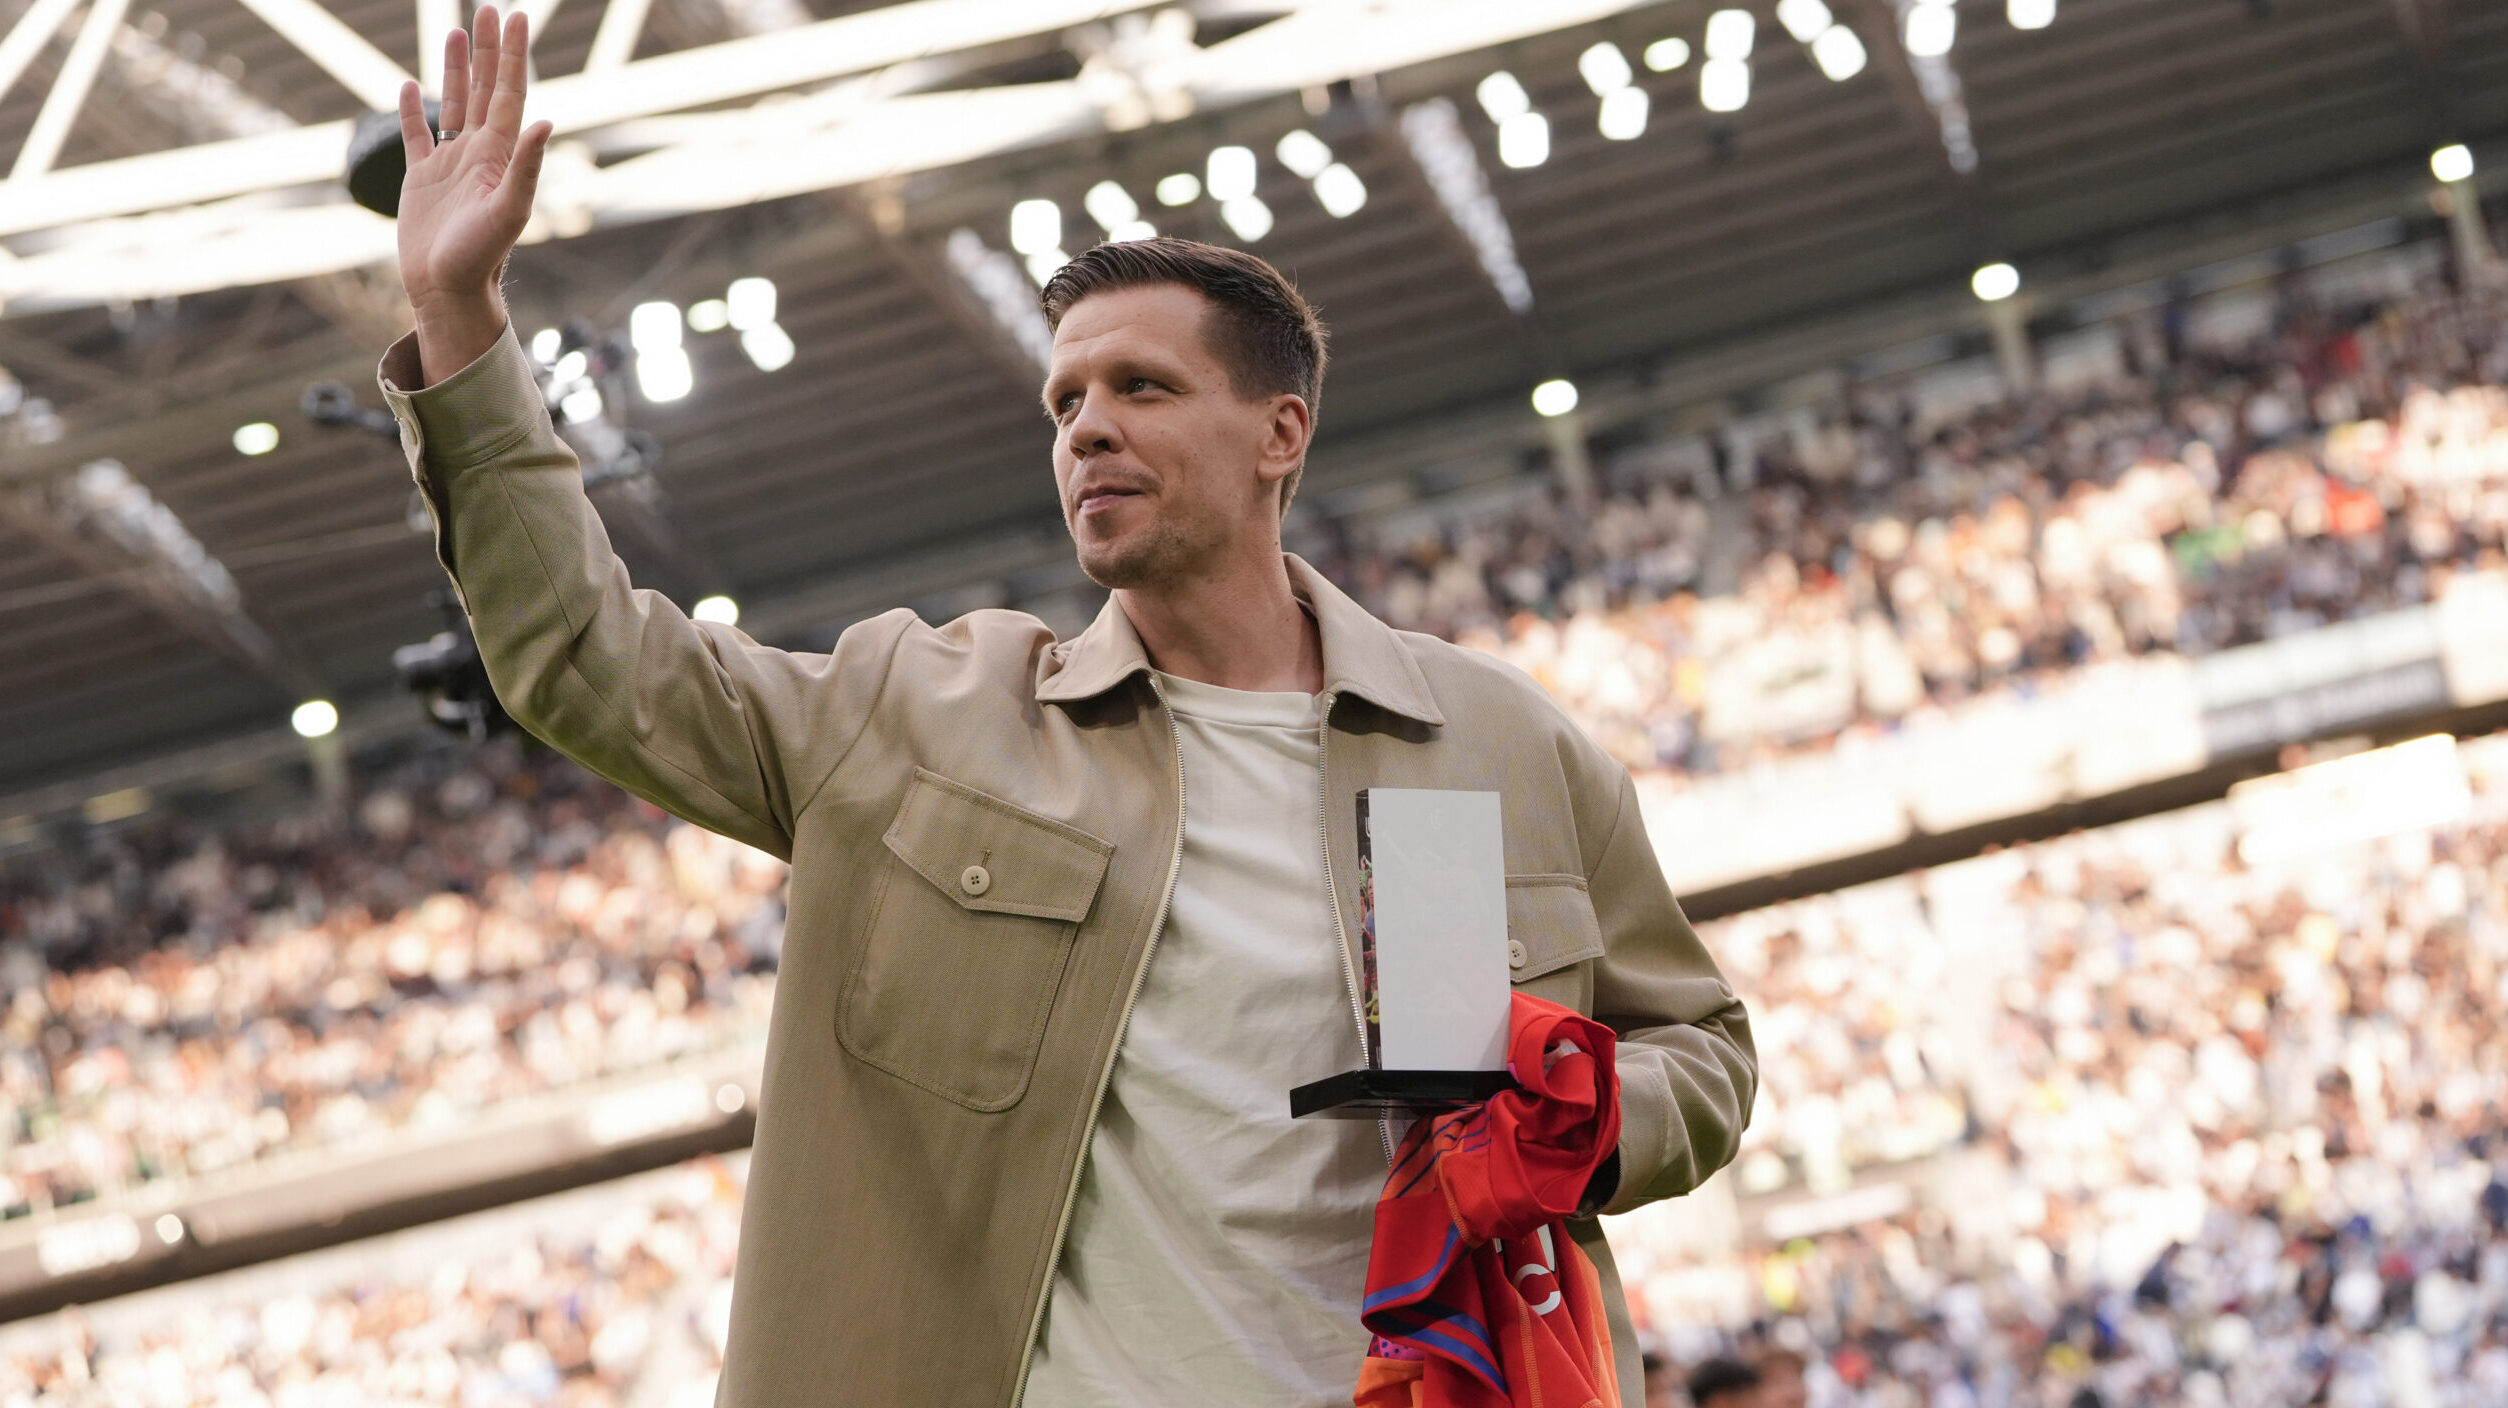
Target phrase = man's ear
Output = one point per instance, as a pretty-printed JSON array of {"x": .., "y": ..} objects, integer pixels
[{"x": 1286, "y": 435}]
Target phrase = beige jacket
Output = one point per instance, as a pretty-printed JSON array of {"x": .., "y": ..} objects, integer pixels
[{"x": 984, "y": 825}]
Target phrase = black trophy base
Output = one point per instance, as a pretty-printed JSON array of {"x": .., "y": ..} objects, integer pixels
[{"x": 1372, "y": 1094}]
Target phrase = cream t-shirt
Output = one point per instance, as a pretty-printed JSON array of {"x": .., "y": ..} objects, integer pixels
[{"x": 1217, "y": 1249}]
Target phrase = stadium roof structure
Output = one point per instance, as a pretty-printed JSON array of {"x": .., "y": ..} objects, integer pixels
[{"x": 178, "y": 260}]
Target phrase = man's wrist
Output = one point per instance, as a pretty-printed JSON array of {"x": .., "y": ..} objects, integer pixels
[{"x": 454, "y": 331}]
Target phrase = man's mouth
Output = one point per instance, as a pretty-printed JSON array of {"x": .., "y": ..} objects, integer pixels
[{"x": 1104, "y": 497}]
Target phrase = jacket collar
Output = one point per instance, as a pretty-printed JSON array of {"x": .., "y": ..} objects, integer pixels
[{"x": 1361, "y": 654}]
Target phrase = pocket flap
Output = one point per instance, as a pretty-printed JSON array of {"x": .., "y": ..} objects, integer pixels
[
  {"x": 1553, "y": 918},
  {"x": 987, "y": 854}
]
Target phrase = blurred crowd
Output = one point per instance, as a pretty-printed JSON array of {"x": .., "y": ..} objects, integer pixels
[
  {"x": 2220, "y": 1133},
  {"x": 1885, "y": 549},
  {"x": 2235, "y": 1134},
  {"x": 185, "y": 998},
  {"x": 628, "y": 1306}
]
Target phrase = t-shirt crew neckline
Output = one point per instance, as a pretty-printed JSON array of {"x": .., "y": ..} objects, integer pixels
[{"x": 1219, "y": 704}]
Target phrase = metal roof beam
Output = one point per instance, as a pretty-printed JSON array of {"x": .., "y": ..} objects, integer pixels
[
  {"x": 27, "y": 37},
  {"x": 765, "y": 152},
  {"x": 69, "y": 91},
  {"x": 338, "y": 50}
]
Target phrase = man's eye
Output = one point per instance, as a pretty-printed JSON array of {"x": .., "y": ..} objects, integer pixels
[{"x": 1139, "y": 383}]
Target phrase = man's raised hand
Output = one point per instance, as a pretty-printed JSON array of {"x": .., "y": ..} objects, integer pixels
[{"x": 467, "y": 195}]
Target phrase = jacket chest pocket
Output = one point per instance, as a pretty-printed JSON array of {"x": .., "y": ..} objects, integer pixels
[
  {"x": 1552, "y": 939},
  {"x": 977, "y": 907}
]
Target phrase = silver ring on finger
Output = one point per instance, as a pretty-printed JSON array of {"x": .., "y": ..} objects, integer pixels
[{"x": 448, "y": 136}]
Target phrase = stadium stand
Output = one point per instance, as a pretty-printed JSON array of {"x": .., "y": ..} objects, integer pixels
[
  {"x": 2227, "y": 1123},
  {"x": 1886, "y": 554},
  {"x": 187, "y": 1000},
  {"x": 610, "y": 1296}
]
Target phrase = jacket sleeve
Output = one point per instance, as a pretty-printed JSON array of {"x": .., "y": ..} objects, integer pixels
[
  {"x": 693, "y": 716},
  {"x": 1688, "y": 1071}
]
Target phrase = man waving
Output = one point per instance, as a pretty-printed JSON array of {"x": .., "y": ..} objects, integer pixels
[{"x": 1068, "y": 917}]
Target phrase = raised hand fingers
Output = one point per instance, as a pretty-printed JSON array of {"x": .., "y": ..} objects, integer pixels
[
  {"x": 513, "y": 75},
  {"x": 416, "y": 140},
  {"x": 522, "y": 175},
  {"x": 484, "y": 43},
  {"x": 456, "y": 98}
]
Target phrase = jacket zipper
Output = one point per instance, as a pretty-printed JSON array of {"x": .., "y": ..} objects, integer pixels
[
  {"x": 1332, "y": 897},
  {"x": 1105, "y": 1074}
]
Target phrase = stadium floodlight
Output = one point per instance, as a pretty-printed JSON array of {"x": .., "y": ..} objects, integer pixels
[
  {"x": 1839, "y": 53},
  {"x": 1110, "y": 205},
  {"x": 1730, "y": 34},
  {"x": 1179, "y": 188},
  {"x": 2030, "y": 14},
  {"x": 1995, "y": 282},
  {"x": 1606, "y": 69},
  {"x": 749, "y": 303},
  {"x": 169, "y": 1228},
  {"x": 654, "y": 327},
  {"x": 721, "y": 610},
  {"x": 664, "y": 374},
  {"x": 1035, "y": 226},
  {"x": 1524, "y": 140},
  {"x": 769, "y": 347},
  {"x": 1555, "y": 397},
  {"x": 1624, "y": 114},
  {"x": 1665, "y": 55},
  {"x": 544, "y": 345},
  {"x": 2452, "y": 163},
  {"x": 1806, "y": 20},
  {"x": 315, "y": 718},
  {"x": 571, "y": 367},
  {"x": 1502, "y": 97},
  {"x": 1247, "y": 216},
  {"x": 1304, "y": 153},
  {"x": 581, "y": 404},
  {"x": 258, "y": 438},
  {"x": 1131, "y": 230},
  {"x": 709, "y": 315},
  {"x": 1931, "y": 29},
  {"x": 1724, "y": 85},
  {"x": 1339, "y": 190},
  {"x": 1229, "y": 175}
]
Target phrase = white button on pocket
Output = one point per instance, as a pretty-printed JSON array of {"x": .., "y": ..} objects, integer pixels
[
  {"x": 1516, "y": 955},
  {"x": 975, "y": 879}
]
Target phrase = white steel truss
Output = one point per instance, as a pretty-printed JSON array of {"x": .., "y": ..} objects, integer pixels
[{"x": 269, "y": 206}]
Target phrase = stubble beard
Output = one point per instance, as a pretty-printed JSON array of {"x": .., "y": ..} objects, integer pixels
[{"x": 1163, "y": 553}]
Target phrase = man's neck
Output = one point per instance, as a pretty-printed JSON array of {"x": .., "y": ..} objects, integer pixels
[{"x": 1239, "y": 628}]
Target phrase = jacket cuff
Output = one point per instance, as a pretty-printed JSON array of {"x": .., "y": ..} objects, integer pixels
[
  {"x": 1645, "y": 1128},
  {"x": 470, "y": 417},
  {"x": 485, "y": 410}
]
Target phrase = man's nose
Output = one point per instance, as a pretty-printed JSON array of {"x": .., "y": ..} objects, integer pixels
[{"x": 1093, "y": 429}]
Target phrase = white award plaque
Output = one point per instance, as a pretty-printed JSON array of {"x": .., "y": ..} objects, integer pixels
[{"x": 1433, "y": 955}]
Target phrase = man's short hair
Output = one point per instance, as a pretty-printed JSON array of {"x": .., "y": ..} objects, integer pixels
[
  {"x": 1719, "y": 1378},
  {"x": 1259, "y": 325}
]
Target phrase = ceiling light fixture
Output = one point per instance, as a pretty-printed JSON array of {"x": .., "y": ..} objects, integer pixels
[
  {"x": 1624, "y": 114},
  {"x": 1839, "y": 53},
  {"x": 1304, "y": 153},
  {"x": 1730, "y": 34},
  {"x": 1502, "y": 97},
  {"x": 1605, "y": 68},
  {"x": 1665, "y": 55},
  {"x": 1724, "y": 85}
]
